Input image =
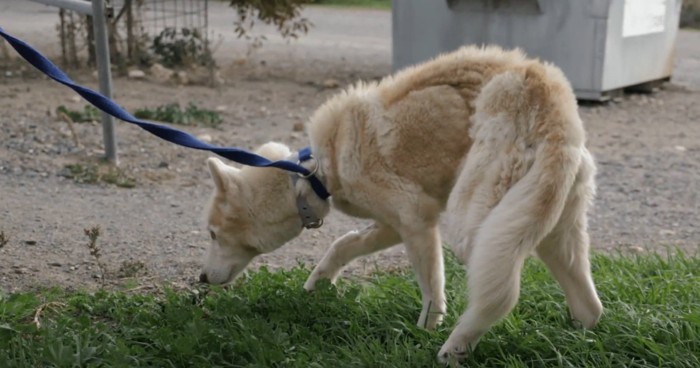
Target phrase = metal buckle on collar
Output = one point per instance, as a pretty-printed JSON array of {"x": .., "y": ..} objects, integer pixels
[
  {"x": 309, "y": 219},
  {"x": 312, "y": 171},
  {"x": 314, "y": 224}
]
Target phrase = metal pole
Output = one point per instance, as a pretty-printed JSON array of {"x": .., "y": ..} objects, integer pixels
[{"x": 104, "y": 73}]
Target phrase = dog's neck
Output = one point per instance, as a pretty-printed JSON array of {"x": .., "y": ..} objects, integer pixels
[{"x": 311, "y": 208}]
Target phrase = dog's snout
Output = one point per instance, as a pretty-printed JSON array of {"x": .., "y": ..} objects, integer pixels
[{"x": 203, "y": 278}]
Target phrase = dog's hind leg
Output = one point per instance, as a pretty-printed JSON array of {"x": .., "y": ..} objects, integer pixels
[
  {"x": 494, "y": 272},
  {"x": 565, "y": 251},
  {"x": 572, "y": 269},
  {"x": 424, "y": 249},
  {"x": 350, "y": 246},
  {"x": 526, "y": 214}
]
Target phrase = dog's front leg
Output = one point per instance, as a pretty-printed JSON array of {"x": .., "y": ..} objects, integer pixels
[
  {"x": 350, "y": 246},
  {"x": 425, "y": 252}
]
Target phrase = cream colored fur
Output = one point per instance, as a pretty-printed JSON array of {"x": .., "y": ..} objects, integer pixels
[{"x": 489, "y": 137}]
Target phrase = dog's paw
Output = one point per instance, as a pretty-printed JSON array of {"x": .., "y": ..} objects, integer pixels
[
  {"x": 315, "y": 276},
  {"x": 430, "y": 320},
  {"x": 321, "y": 272},
  {"x": 310, "y": 283},
  {"x": 453, "y": 355}
]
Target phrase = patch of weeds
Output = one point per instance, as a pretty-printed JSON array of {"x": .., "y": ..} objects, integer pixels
[
  {"x": 4, "y": 239},
  {"x": 184, "y": 47},
  {"x": 119, "y": 178},
  {"x": 95, "y": 173},
  {"x": 172, "y": 113},
  {"x": 93, "y": 233},
  {"x": 130, "y": 269},
  {"x": 88, "y": 114},
  {"x": 82, "y": 174}
]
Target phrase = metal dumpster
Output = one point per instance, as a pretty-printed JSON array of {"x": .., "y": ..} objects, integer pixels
[{"x": 602, "y": 46}]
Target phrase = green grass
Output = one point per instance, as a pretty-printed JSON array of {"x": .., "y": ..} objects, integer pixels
[
  {"x": 652, "y": 319},
  {"x": 94, "y": 173},
  {"x": 378, "y": 4},
  {"x": 88, "y": 114}
]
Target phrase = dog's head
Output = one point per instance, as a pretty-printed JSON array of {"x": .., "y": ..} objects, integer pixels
[{"x": 252, "y": 211}]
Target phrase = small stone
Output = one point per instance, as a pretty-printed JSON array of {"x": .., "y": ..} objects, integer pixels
[
  {"x": 21, "y": 270},
  {"x": 182, "y": 77},
  {"x": 221, "y": 108},
  {"x": 331, "y": 83},
  {"x": 30, "y": 242},
  {"x": 55, "y": 264},
  {"x": 636, "y": 248},
  {"x": 8, "y": 73},
  {"x": 160, "y": 73},
  {"x": 75, "y": 98},
  {"x": 680, "y": 148},
  {"x": 163, "y": 165},
  {"x": 204, "y": 138},
  {"x": 298, "y": 127},
  {"x": 136, "y": 74}
]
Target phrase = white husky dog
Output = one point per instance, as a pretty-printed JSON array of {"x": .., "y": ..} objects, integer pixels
[{"x": 488, "y": 136}]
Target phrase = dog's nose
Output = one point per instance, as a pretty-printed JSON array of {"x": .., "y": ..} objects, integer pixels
[{"x": 203, "y": 277}]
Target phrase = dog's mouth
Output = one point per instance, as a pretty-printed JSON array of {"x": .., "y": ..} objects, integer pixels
[
  {"x": 231, "y": 277},
  {"x": 222, "y": 278}
]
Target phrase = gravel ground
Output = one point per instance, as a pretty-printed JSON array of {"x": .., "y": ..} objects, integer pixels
[{"x": 647, "y": 148}]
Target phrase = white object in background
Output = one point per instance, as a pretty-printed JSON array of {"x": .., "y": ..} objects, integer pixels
[{"x": 643, "y": 17}]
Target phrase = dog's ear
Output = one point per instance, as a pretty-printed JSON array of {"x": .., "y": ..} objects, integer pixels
[{"x": 221, "y": 173}]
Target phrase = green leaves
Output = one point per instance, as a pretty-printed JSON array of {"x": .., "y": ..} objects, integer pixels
[{"x": 192, "y": 115}]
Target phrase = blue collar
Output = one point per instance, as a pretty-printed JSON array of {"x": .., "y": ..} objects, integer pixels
[{"x": 316, "y": 184}]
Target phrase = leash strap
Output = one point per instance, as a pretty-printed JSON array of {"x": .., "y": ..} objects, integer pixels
[{"x": 167, "y": 133}]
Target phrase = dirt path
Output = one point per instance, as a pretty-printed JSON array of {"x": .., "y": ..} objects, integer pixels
[{"x": 647, "y": 147}]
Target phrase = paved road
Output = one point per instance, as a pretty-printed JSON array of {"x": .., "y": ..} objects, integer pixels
[
  {"x": 361, "y": 38},
  {"x": 339, "y": 36}
]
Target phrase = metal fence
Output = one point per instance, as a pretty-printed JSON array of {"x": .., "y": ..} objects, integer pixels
[{"x": 124, "y": 29}]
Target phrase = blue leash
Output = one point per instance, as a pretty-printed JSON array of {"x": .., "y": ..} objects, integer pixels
[{"x": 169, "y": 134}]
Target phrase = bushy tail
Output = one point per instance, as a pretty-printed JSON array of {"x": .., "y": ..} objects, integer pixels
[{"x": 526, "y": 151}]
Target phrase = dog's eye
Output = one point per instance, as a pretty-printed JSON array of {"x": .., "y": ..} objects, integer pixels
[{"x": 212, "y": 234}]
